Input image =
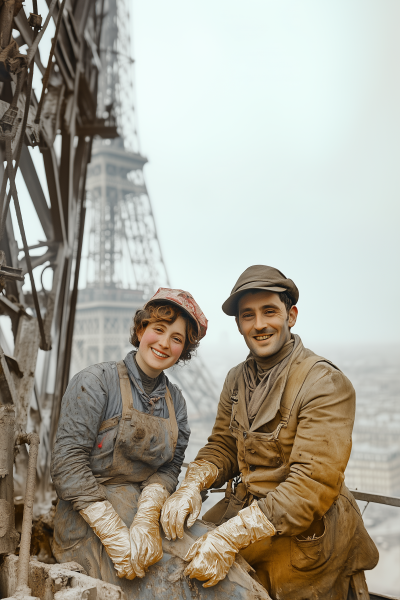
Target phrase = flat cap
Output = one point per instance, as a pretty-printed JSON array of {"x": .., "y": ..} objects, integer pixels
[
  {"x": 186, "y": 302},
  {"x": 259, "y": 277}
]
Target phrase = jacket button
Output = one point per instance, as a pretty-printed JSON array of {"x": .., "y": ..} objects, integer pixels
[{"x": 252, "y": 468}]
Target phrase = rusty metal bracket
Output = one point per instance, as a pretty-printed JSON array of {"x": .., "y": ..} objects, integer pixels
[
  {"x": 35, "y": 21},
  {"x": 8, "y": 273}
]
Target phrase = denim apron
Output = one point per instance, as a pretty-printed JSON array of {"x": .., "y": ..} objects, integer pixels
[{"x": 129, "y": 448}]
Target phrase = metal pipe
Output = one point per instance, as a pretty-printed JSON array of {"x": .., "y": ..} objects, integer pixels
[{"x": 25, "y": 545}]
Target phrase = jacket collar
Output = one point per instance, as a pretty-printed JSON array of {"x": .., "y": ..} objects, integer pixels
[{"x": 271, "y": 404}]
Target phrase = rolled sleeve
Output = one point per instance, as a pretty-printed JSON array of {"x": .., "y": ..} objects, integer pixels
[{"x": 82, "y": 411}]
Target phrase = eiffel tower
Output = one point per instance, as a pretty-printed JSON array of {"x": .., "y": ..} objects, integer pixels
[{"x": 122, "y": 262}]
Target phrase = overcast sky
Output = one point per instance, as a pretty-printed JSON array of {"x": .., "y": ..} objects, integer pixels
[{"x": 273, "y": 135}]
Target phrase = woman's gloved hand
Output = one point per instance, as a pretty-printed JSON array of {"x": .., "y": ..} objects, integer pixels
[
  {"x": 113, "y": 534},
  {"x": 213, "y": 554},
  {"x": 186, "y": 500},
  {"x": 145, "y": 538}
]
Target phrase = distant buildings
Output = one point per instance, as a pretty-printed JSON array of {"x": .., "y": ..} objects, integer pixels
[
  {"x": 374, "y": 469},
  {"x": 102, "y": 323},
  {"x": 374, "y": 464}
]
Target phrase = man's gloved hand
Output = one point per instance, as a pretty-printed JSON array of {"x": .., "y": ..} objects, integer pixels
[
  {"x": 213, "y": 554},
  {"x": 146, "y": 544},
  {"x": 113, "y": 534},
  {"x": 186, "y": 500}
]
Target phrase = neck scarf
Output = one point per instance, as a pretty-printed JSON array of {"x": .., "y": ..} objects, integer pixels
[
  {"x": 149, "y": 383},
  {"x": 260, "y": 375}
]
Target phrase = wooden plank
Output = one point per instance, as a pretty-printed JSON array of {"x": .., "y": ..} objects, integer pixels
[{"x": 26, "y": 351}]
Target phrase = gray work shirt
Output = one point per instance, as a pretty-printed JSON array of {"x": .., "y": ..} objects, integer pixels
[{"x": 93, "y": 396}]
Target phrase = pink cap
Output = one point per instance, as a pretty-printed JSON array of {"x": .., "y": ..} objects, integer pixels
[{"x": 185, "y": 301}]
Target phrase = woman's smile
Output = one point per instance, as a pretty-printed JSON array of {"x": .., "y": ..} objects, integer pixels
[{"x": 159, "y": 354}]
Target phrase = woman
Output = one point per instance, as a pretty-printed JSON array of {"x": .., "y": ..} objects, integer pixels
[{"x": 120, "y": 445}]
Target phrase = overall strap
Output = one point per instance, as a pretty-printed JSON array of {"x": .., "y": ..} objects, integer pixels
[
  {"x": 126, "y": 391},
  {"x": 173, "y": 425},
  {"x": 127, "y": 401},
  {"x": 294, "y": 385}
]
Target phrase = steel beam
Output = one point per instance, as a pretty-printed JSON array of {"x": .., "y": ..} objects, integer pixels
[
  {"x": 53, "y": 182},
  {"x": 35, "y": 190}
]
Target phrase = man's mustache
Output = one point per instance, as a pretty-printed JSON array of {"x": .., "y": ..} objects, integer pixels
[{"x": 264, "y": 331}]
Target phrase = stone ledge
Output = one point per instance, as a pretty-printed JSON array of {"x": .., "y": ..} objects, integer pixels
[{"x": 67, "y": 581}]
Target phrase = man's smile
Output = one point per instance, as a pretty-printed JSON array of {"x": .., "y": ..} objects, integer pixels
[
  {"x": 159, "y": 354},
  {"x": 265, "y": 336}
]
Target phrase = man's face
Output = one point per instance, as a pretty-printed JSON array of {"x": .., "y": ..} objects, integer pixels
[{"x": 264, "y": 322}]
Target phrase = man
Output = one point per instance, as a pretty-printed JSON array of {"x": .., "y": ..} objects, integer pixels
[{"x": 283, "y": 426}]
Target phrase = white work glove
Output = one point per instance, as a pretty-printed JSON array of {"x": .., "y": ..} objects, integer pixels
[
  {"x": 146, "y": 543},
  {"x": 213, "y": 554},
  {"x": 113, "y": 534},
  {"x": 186, "y": 500}
]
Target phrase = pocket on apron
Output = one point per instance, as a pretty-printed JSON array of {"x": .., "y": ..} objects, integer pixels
[
  {"x": 102, "y": 453},
  {"x": 313, "y": 553}
]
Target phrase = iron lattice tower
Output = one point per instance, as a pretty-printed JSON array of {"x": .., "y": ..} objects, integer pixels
[{"x": 123, "y": 262}]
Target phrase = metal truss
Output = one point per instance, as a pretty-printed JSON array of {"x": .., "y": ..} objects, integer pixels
[{"x": 46, "y": 137}]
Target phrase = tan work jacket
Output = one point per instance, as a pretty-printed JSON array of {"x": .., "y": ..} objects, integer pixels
[{"x": 292, "y": 458}]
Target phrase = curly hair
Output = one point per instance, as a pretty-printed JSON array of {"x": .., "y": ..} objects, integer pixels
[{"x": 169, "y": 313}]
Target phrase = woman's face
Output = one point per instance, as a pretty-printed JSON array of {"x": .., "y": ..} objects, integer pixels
[{"x": 161, "y": 345}]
